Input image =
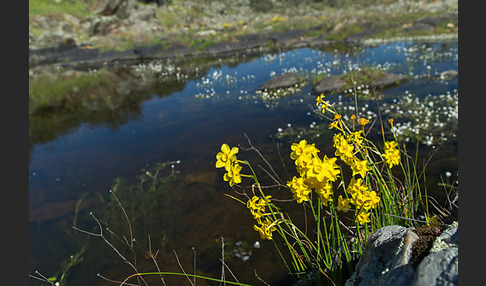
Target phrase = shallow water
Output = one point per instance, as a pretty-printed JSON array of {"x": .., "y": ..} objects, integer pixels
[{"x": 189, "y": 125}]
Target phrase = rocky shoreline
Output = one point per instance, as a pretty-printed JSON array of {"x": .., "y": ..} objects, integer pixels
[{"x": 60, "y": 42}]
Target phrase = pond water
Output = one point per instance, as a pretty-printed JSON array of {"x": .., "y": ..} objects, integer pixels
[{"x": 187, "y": 127}]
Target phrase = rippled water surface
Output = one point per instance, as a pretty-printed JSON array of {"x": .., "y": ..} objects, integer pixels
[{"x": 187, "y": 127}]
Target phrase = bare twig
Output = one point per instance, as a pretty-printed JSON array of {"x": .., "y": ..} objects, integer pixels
[
  {"x": 41, "y": 278},
  {"x": 275, "y": 175},
  {"x": 222, "y": 261},
  {"x": 180, "y": 265},
  {"x": 258, "y": 277},
  {"x": 115, "y": 281},
  {"x": 154, "y": 259},
  {"x": 194, "y": 251},
  {"x": 100, "y": 234}
]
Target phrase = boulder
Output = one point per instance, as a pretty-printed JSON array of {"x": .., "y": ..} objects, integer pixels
[
  {"x": 388, "y": 259},
  {"x": 284, "y": 80},
  {"x": 440, "y": 267},
  {"x": 106, "y": 7}
]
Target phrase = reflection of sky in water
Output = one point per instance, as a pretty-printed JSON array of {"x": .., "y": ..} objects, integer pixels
[
  {"x": 191, "y": 125},
  {"x": 78, "y": 161}
]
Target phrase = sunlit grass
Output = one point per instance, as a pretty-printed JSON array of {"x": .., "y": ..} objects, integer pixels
[{"x": 49, "y": 7}]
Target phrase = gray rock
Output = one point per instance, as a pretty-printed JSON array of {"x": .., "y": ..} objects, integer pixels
[
  {"x": 330, "y": 84},
  {"x": 387, "y": 258},
  {"x": 283, "y": 81},
  {"x": 337, "y": 83},
  {"x": 106, "y": 7},
  {"x": 438, "y": 268},
  {"x": 388, "y": 80}
]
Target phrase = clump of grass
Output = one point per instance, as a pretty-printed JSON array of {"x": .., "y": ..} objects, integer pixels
[{"x": 350, "y": 194}]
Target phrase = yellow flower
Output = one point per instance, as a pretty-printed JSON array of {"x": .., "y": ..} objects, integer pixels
[
  {"x": 361, "y": 200},
  {"x": 233, "y": 175},
  {"x": 299, "y": 189},
  {"x": 374, "y": 199},
  {"x": 226, "y": 157},
  {"x": 257, "y": 206},
  {"x": 325, "y": 193},
  {"x": 363, "y": 217},
  {"x": 360, "y": 167},
  {"x": 324, "y": 104},
  {"x": 343, "y": 204},
  {"x": 323, "y": 170},
  {"x": 363, "y": 121},
  {"x": 303, "y": 152},
  {"x": 355, "y": 188},
  {"x": 392, "y": 155},
  {"x": 266, "y": 229},
  {"x": 343, "y": 148},
  {"x": 390, "y": 145},
  {"x": 356, "y": 137},
  {"x": 333, "y": 124}
]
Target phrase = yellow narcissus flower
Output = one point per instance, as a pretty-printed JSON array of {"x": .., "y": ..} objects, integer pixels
[
  {"x": 299, "y": 189},
  {"x": 233, "y": 175},
  {"x": 343, "y": 204},
  {"x": 303, "y": 152},
  {"x": 343, "y": 148},
  {"x": 360, "y": 167},
  {"x": 226, "y": 157},
  {"x": 374, "y": 199},
  {"x": 266, "y": 229},
  {"x": 363, "y": 121},
  {"x": 363, "y": 217},
  {"x": 323, "y": 170},
  {"x": 324, "y": 104},
  {"x": 257, "y": 206},
  {"x": 392, "y": 155},
  {"x": 354, "y": 188},
  {"x": 356, "y": 137},
  {"x": 325, "y": 193}
]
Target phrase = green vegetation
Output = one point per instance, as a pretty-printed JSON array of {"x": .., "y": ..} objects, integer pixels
[
  {"x": 51, "y": 93},
  {"x": 52, "y": 7}
]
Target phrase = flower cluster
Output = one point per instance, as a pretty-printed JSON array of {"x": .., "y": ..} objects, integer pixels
[
  {"x": 265, "y": 226},
  {"x": 315, "y": 173},
  {"x": 227, "y": 159},
  {"x": 392, "y": 154}
]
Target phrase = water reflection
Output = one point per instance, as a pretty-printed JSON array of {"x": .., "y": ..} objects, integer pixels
[{"x": 80, "y": 154}]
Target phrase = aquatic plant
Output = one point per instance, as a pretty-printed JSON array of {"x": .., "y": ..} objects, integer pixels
[{"x": 350, "y": 194}]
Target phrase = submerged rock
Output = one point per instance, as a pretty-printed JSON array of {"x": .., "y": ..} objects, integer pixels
[
  {"x": 340, "y": 82},
  {"x": 283, "y": 81},
  {"x": 330, "y": 84}
]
